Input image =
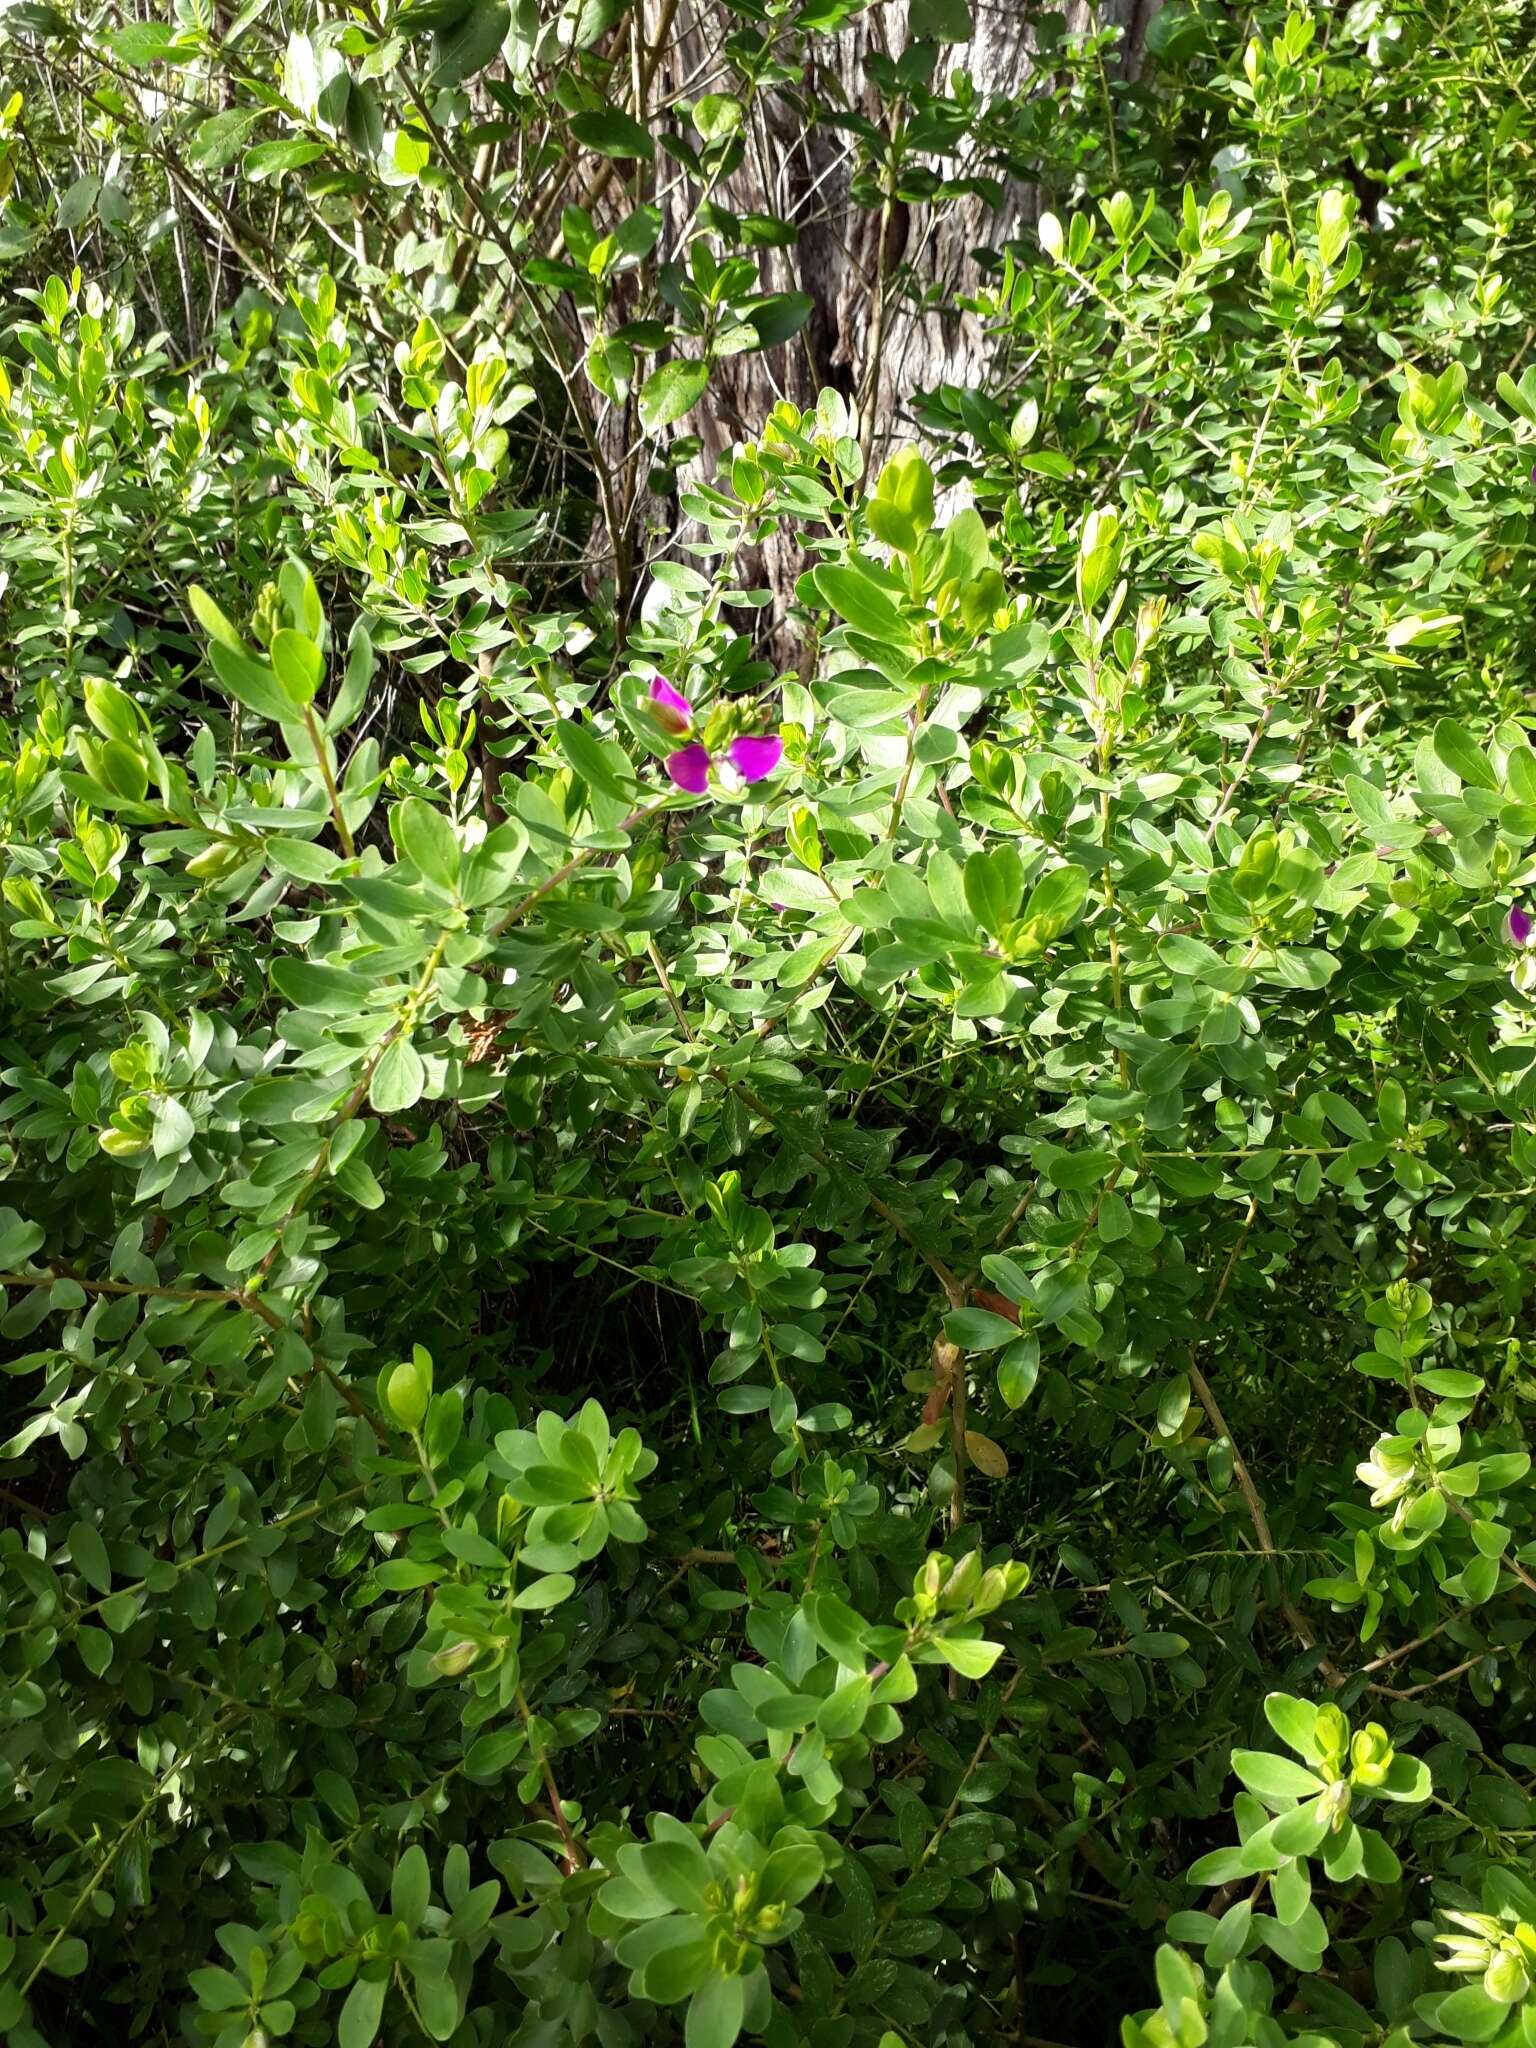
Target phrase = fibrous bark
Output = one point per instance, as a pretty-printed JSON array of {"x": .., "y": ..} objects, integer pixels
[{"x": 886, "y": 279}]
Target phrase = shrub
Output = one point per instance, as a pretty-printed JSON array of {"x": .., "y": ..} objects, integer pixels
[{"x": 707, "y": 1346}]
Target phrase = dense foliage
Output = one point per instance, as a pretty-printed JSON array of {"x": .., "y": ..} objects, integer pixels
[{"x": 766, "y": 1223}]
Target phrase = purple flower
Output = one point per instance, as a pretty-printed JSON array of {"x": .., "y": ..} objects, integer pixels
[
  {"x": 738, "y": 759},
  {"x": 1519, "y": 926},
  {"x": 670, "y": 708}
]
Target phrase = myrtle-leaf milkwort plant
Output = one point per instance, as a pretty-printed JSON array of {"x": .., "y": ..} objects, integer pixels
[{"x": 751, "y": 1267}]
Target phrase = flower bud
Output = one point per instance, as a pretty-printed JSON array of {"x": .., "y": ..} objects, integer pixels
[
  {"x": 1370, "y": 1754},
  {"x": 220, "y": 857},
  {"x": 267, "y": 616},
  {"x": 1506, "y": 1979},
  {"x": 1260, "y": 857},
  {"x": 455, "y": 1660},
  {"x": 963, "y": 1580},
  {"x": 123, "y": 1144},
  {"x": 1335, "y": 1804},
  {"x": 1332, "y": 1734},
  {"x": 407, "y": 1389},
  {"x": 992, "y": 1591},
  {"x": 1407, "y": 1302}
]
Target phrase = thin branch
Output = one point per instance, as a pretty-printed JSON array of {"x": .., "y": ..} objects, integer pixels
[
  {"x": 328, "y": 777},
  {"x": 1253, "y": 1500},
  {"x": 574, "y": 1853},
  {"x": 1411, "y": 1692},
  {"x": 561, "y": 874}
]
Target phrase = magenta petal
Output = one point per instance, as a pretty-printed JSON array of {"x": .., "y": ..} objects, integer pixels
[
  {"x": 689, "y": 768},
  {"x": 753, "y": 758},
  {"x": 669, "y": 707},
  {"x": 1519, "y": 926}
]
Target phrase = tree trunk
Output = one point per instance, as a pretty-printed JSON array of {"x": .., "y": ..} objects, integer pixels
[{"x": 885, "y": 280}]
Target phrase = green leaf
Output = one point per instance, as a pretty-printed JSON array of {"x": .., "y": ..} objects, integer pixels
[
  {"x": 120, "y": 1612},
  {"x": 1456, "y": 747},
  {"x": 856, "y": 597},
  {"x": 427, "y": 839},
  {"x": 252, "y": 684},
  {"x": 1294, "y": 1721},
  {"x": 96, "y": 1649},
  {"x": 940, "y": 21},
  {"x": 1408, "y": 1778},
  {"x": 410, "y": 1888},
  {"x": 777, "y": 316},
  {"x": 67, "y": 1957},
  {"x": 902, "y": 509},
  {"x": 436, "y": 1999},
  {"x": 1219, "y": 1866},
  {"x": 361, "y": 2013},
  {"x": 471, "y": 42},
  {"x": 90, "y": 1556},
  {"x": 545, "y": 1593},
  {"x": 398, "y": 1079},
  {"x": 1470, "y": 2014},
  {"x": 1302, "y": 1946},
  {"x": 611, "y": 366},
  {"x": 593, "y": 759},
  {"x": 1271, "y": 1775},
  {"x": 353, "y": 694},
  {"x": 140, "y": 43},
  {"x": 75, "y": 206},
  {"x": 275, "y": 159},
  {"x": 1419, "y": 629},
  {"x": 843, "y": 1713},
  {"x": 364, "y": 120},
  {"x": 790, "y": 1874},
  {"x": 994, "y": 884},
  {"x": 218, "y": 1989},
  {"x": 1157, "y": 1642},
  {"x": 1018, "y": 1370},
  {"x": 715, "y": 2012},
  {"x": 1056, "y": 901},
  {"x": 1301, "y": 1832},
  {"x": 678, "y": 1970},
  {"x": 612, "y": 133},
  {"x": 671, "y": 391},
  {"x": 490, "y": 1755},
  {"x": 411, "y": 154},
  {"x": 1172, "y": 1407},
  {"x": 972, "y": 1657},
  {"x": 317, "y": 985},
  {"x": 1450, "y": 1384},
  {"x": 717, "y": 115},
  {"x": 405, "y": 1391},
  {"x": 978, "y": 1329},
  {"x": 1226, "y": 1944},
  {"x": 836, "y": 1627},
  {"x": 678, "y": 1871},
  {"x": 470, "y": 1547},
  {"x": 212, "y": 620},
  {"x": 1098, "y": 557}
]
